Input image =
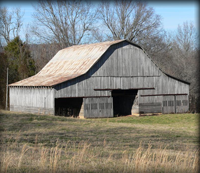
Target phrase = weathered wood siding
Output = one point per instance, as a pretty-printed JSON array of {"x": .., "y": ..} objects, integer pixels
[
  {"x": 155, "y": 107},
  {"x": 175, "y": 104},
  {"x": 167, "y": 85},
  {"x": 86, "y": 88},
  {"x": 182, "y": 103},
  {"x": 121, "y": 67},
  {"x": 98, "y": 107},
  {"x": 124, "y": 66},
  {"x": 32, "y": 99},
  {"x": 125, "y": 61}
]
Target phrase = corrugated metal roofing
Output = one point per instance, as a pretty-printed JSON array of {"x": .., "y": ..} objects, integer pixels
[{"x": 67, "y": 64}]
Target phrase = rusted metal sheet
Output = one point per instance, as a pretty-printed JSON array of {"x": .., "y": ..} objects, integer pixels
[{"x": 67, "y": 64}]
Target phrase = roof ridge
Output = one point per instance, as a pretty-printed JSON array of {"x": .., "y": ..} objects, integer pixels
[{"x": 97, "y": 43}]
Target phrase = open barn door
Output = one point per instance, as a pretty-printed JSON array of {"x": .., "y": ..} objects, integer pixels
[
  {"x": 123, "y": 101},
  {"x": 68, "y": 106}
]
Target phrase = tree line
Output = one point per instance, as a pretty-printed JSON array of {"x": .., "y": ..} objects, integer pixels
[{"x": 59, "y": 24}]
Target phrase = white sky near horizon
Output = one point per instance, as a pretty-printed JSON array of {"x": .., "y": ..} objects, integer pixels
[{"x": 172, "y": 13}]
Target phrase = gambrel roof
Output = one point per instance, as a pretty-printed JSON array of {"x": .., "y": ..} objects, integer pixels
[{"x": 69, "y": 63}]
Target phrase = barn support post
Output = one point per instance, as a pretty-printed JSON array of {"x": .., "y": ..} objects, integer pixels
[
  {"x": 175, "y": 104},
  {"x": 54, "y": 104}
]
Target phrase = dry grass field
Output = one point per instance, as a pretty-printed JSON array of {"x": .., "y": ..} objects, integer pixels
[{"x": 43, "y": 143}]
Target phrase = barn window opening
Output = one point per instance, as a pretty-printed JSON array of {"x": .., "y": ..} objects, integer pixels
[
  {"x": 87, "y": 106},
  {"x": 164, "y": 103},
  {"x": 184, "y": 102},
  {"x": 94, "y": 106},
  {"x": 69, "y": 107},
  {"x": 170, "y": 103},
  {"x": 108, "y": 105},
  {"x": 178, "y": 103},
  {"x": 123, "y": 101},
  {"x": 101, "y": 105}
]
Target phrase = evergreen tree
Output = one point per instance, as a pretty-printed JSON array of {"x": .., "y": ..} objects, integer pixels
[
  {"x": 20, "y": 63},
  {"x": 3, "y": 70}
]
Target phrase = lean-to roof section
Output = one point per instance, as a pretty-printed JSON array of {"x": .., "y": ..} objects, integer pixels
[{"x": 67, "y": 64}]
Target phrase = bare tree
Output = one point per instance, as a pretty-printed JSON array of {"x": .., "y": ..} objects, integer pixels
[
  {"x": 131, "y": 20},
  {"x": 186, "y": 37},
  {"x": 10, "y": 23},
  {"x": 185, "y": 44},
  {"x": 185, "y": 48},
  {"x": 42, "y": 53},
  {"x": 65, "y": 22},
  {"x": 183, "y": 59}
]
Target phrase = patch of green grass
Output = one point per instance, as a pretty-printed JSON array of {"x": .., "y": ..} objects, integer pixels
[
  {"x": 161, "y": 119},
  {"x": 120, "y": 131}
]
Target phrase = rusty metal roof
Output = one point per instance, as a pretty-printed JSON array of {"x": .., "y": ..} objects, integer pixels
[{"x": 67, "y": 64}]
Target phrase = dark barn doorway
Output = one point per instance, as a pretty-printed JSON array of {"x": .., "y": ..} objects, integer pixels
[
  {"x": 123, "y": 101},
  {"x": 69, "y": 107}
]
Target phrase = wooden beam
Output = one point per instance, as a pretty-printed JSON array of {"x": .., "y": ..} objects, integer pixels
[
  {"x": 81, "y": 97},
  {"x": 163, "y": 95},
  {"x": 110, "y": 89}
]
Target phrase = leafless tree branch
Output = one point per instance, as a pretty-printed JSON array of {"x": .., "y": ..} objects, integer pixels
[{"x": 66, "y": 22}]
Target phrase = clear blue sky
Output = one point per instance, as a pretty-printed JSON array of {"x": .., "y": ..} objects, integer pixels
[
  {"x": 172, "y": 13},
  {"x": 175, "y": 13}
]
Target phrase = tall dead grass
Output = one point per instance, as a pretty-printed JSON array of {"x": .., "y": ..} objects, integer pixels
[{"x": 83, "y": 157}]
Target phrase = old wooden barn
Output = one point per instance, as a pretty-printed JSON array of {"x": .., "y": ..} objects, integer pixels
[{"x": 100, "y": 80}]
